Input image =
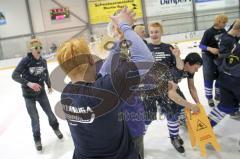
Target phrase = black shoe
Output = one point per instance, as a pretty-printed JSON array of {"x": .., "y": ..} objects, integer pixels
[
  {"x": 211, "y": 103},
  {"x": 38, "y": 145},
  {"x": 58, "y": 133},
  {"x": 176, "y": 144}
]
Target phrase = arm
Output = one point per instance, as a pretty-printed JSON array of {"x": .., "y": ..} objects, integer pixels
[
  {"x": 139, "y": 50},
  {"x": 212, "y": 50},
  {"x": 17, "y": 76},
  {"x": 173, "y": 95},
  {"x": 203, "y": 47},
  {"x": 47, "y": 78},
  {"x": 17, "y": 73},
  {"x": 204, "y": 44},
  {"x": 176, "y": 52},
  {"x": 193, "y": 90},
  {"x": 126, "y": 74},
  {"x": 106, "y": 66}
]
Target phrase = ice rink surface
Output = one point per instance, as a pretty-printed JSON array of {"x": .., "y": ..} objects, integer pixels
[{"x": 16, "y": 137}]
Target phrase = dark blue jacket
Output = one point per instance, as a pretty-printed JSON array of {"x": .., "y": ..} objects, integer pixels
[{"x": 31, "y": 70}]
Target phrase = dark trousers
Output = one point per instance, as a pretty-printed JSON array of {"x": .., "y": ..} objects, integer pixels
[
  {"x": 33, "y": 113},
  {"x": 230, "y": 98},
  {"x": 210, "y": 74},
  {"x": 138, "y": 142}
]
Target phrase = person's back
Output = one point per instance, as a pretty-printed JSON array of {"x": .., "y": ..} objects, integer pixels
[
  {"x": 92, "y": 139},
  {"x": 230, "y": 38}
]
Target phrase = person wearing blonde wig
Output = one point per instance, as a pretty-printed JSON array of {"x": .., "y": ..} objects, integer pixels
[{"x": 31, "y": 73}]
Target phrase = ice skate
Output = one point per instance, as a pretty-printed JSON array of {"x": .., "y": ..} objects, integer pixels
[{"x": 176, "y": 142}]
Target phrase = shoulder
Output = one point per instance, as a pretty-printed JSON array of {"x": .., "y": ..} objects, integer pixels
[
  {"x": 150, "y": 45},
  {"x": 227, "y": 38},
  {"x": 25, "y": 60},
  {"x": 166, "y": 45},
  {"x": 209, "y": 30}
]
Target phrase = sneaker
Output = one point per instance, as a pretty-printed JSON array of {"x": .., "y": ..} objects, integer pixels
[
  {"x": 235, "y": 115},
  {"x": 58, "y": 133},
  {"x": 176, "y": 144},
  {"x": 211, "y": 103},
  {"x": 38, "y": 145}
]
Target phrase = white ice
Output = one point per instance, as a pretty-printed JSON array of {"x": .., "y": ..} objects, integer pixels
[{"x": 16, "y": 137}]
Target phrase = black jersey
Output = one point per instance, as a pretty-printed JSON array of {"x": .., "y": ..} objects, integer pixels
[
  {"x": 163, "y": 54},
  {"x": 227, "y": 43},
  {"x": 211, "y": 38}
]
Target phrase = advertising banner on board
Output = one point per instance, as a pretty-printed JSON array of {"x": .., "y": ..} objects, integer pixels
[
  {"x": 101, "y": 10},
  {"x": 202, "y": 5},
  {"x": 167, "y": 7}
]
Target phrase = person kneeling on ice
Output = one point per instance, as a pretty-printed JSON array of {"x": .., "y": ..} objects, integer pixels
[
  {"x": 172, "y": 100},
  {"x": 32, "y": 72},
  {"x": 97, "y": 132},
  {"x": 229, "y": 77}
]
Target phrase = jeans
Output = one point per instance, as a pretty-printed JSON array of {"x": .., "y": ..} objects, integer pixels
[{"x": 33, "y": 113}]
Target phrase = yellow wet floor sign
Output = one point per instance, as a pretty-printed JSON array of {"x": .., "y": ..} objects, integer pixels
[{"x": 200, "y": 130}]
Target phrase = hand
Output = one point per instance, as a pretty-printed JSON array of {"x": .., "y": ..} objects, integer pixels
[
  {"x": 195, "y": 109},
  {"x": 213, "y": 50},
  {"x": 36, "y": 87},
  {"x": 124, "y": 16},
  {"x": 50, "y": 90},
  {"x": 176, "y": 51}
]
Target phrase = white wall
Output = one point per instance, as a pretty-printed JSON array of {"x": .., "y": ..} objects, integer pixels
[
  {"x": 17, "y": 23},
  {"x": 36, "y": 13},
  {"x": 16, "y": 17}
]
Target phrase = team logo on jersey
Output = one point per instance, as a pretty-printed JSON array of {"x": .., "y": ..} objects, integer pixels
[
  {"x": 218, "y": 37},
  {"x": 79, "y": 114},
  {"x": 36, "y": 70}
]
